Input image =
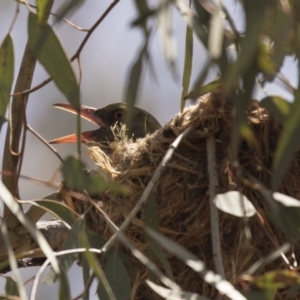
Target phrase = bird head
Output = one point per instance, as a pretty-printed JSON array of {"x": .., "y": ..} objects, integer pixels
[{"x": 107, "y": 117}]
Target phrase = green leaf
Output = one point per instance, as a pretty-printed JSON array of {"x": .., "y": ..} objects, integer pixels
[
  {"x": 254, "y": 10},
  {"x": 154, "y": 250},
  {"x": 11, "y": 287},
  {"x": 78, "y": 179},
  {"x": 47, "y": 48},
  {"x": 134, "y": 82},
  {"x": 64, "y": 287},
  {"x": 235, "y": 203},
  {"x": 117, "y": 277},
  {"x": 278, "y": 107},
  {"x": 6, "y": 74},
  {"x": 43, "y": 11},
  {"x": 192, "y": 20},
  {"x": 223, "y": 286},
  {"x": 59, "y": 210},
  {"x": 187, "y": 67},
  {"x": 288, "y": 142}
]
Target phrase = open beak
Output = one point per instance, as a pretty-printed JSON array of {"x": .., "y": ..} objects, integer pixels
[{"x": 87, "y": 113}]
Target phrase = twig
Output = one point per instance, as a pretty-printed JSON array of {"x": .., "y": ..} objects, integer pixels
[
  {"x": 214, "y": 213},
  {"x": 149, "y": 187},
  {"x": 44, "y": 142},
  {"x": 86, "y": 288},
  {"x": 77, "y": 53},
  {"x": 14, "y": 18}
]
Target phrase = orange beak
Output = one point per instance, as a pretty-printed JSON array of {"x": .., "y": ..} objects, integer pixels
[{"x": 87, "y": 113}]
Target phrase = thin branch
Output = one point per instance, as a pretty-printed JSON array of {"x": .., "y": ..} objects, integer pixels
[
  {"x": 44, "y": 142},
  {"x": 45, "y": 264},
  {"x": 214, "y": 213},
  {"x": 14, "y": 18},
  {"x": 77, "y": 53},
  {"x": 149, "y": 187}
]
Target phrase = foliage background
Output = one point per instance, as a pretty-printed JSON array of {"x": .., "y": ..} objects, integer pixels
[{"x": 106, "y": 60}]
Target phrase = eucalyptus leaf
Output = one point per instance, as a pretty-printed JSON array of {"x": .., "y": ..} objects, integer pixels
[
  {"x": 6, "y": 74},
  {"x": 278, "y": 107},
  {"x": 49, "y": 51},
  {"x": 11, "y": 287},
  {"x": 43, "y": 11},
  {"x": 288, "y": 142}
]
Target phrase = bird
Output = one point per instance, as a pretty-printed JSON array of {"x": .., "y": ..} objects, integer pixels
[{"x": 107, "y": 118}]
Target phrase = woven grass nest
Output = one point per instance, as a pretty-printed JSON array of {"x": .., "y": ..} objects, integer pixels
[{"x": 182, "y": 194}]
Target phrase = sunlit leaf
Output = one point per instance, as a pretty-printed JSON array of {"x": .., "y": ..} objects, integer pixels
[
  {"x": 47, "y": 47},
  {"x": 6, "y": 74},
  {"x": 288, "y": 142},
  {"x": 43, "y": 11},
  {"x": 192, "y": 20},
  {"x": 235, "y": 203},
  {"x": 215, "y": 38},
  {"x": 167, "y": 35}
]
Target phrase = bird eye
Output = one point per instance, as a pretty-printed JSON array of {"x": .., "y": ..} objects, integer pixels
[{"x": 118, "y": 115}]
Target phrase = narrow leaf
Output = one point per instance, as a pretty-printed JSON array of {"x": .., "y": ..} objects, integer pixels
[
  {"x": 43, "y": 11},
  {"x": 6, "y": 74},
  {"x": 235, "y": 203},
  {"x": 64, "y": 288},
  {"x": 187, "y": 67},
  {"x": 288, "y": 142},
  {"x": 50, "y": 53},
  {"x": 59, "y": 210},
  {"x": 278, "y": 107},
  {"x": 117, "y": 277},
  {"x": 254, "y": 10}
]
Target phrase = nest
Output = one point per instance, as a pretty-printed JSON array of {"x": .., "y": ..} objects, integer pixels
[{"x": 182, "y": 193}]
